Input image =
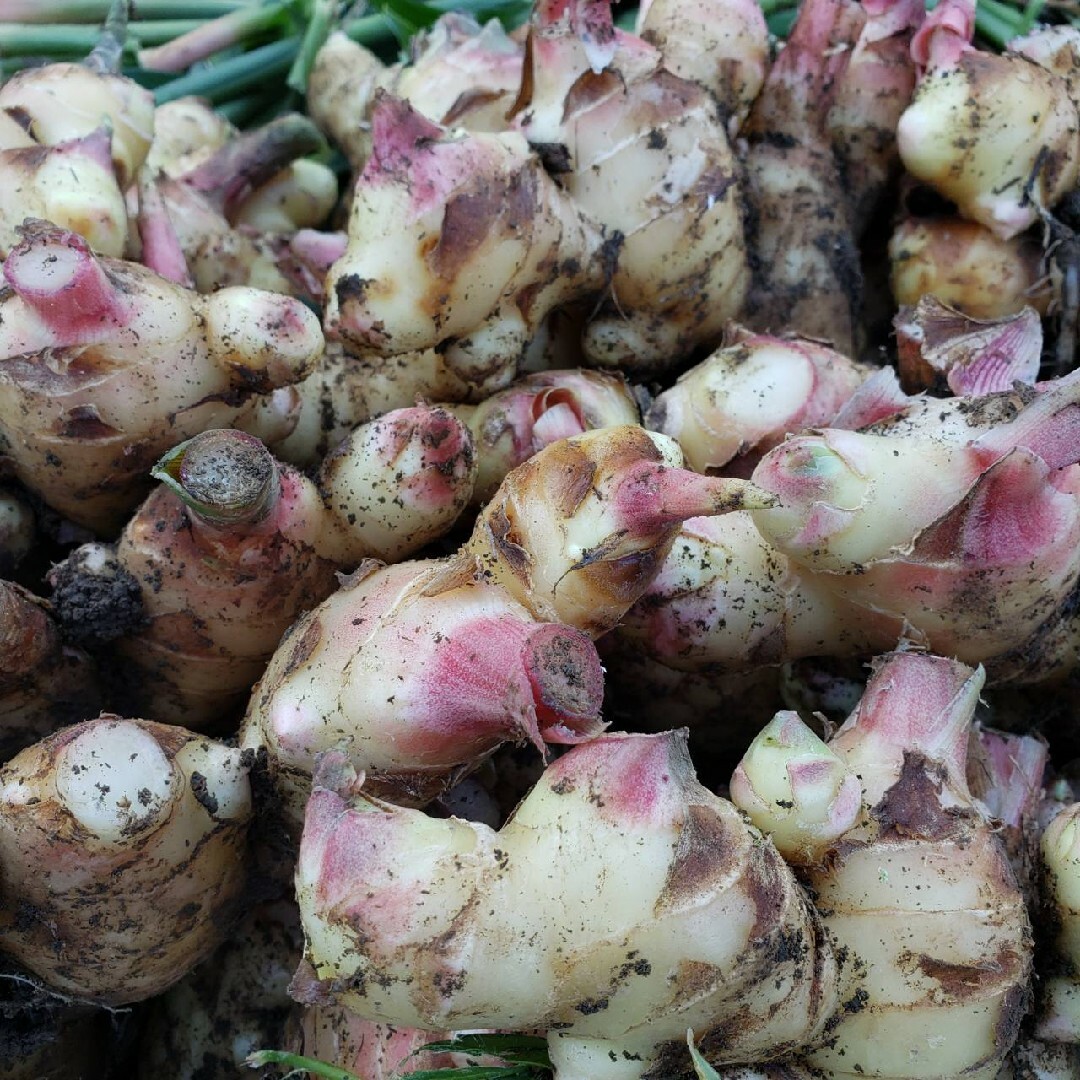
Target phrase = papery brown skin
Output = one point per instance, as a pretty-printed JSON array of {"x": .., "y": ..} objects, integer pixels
[
  {"x": 645, "y": 154},
  {"x": 807, "y": 278},
  {"x": 419, "y": 671},
  {"x": 457, "y": 240},
  {"x": 204, "y": 1027},
  {"x": 940, "y": 983},
  {"x": 963, "y": 264},
  {"x": 59, "y": 102},
  {"x": 120, "y": 902},
  {"x": 724, "y": 46},
  {"x": 72, "y": 184},
  {"x": 44, "y": 684},
  {"x": 536, "y": 410},
  {"x": 939, "y": 346},
  {"x": 577, "y": 532},
  {"x": 749, "y": 395},
  {"x": 681, "y": 917},
  {"x": 106, "y": 365}
]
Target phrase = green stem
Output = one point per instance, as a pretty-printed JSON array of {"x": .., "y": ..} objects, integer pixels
[
  {"x": 1032, "y": 12},
  {"x": 206, "y": 38},
  {"x": 996, "y": 22},
  {"x": 781, "y": 20},
  {"x": 368, "y": 29},
  {"x": 770, "y": 7},
  {"x": 95, "y": 11},
  {"x": 242, "y": 110},
  {"x": 231, "y": 77},
  {"x": 279, "y": 1057},
  {"x": 320, "y": 23},
  {"x": 80, "y": 37}
]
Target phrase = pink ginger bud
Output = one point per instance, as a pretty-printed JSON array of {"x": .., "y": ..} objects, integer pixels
[
  {"x": 876, "y": 398},
  {"x": 537, "y": 410},
  {"x": 920, "y": 889},
  {"x": 395, "y": 484},
  {"x": 796, "y": 789},
  {"x": 420, "y": 670},
  {"x": 161, "y": 249},
  {"x": 945, "y": 34},
  {"x": 913, "y": 703}
]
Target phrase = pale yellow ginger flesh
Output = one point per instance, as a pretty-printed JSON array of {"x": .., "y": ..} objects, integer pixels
[
  {"x": 621, "y": 903},
  {"x": 997, "y": 135}
]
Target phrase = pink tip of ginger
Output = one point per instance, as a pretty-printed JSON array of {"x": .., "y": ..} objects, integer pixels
[
  {"x": 97, "y": 147},
  {"x": 567, "y": 681},
  {"x": 917, "y": 702},
  {"x": 945, "y": 34},
  {"x": 635, "y": 781},
  {"x": 556, "y": 414},
  {"x": 55, "y": 272},
  {"x": 399, "y": 135}
]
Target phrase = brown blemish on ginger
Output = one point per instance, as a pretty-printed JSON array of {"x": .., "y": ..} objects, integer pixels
[
  {"x": 912, "y": 808},
  {"x": 702, "y": 853}
]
